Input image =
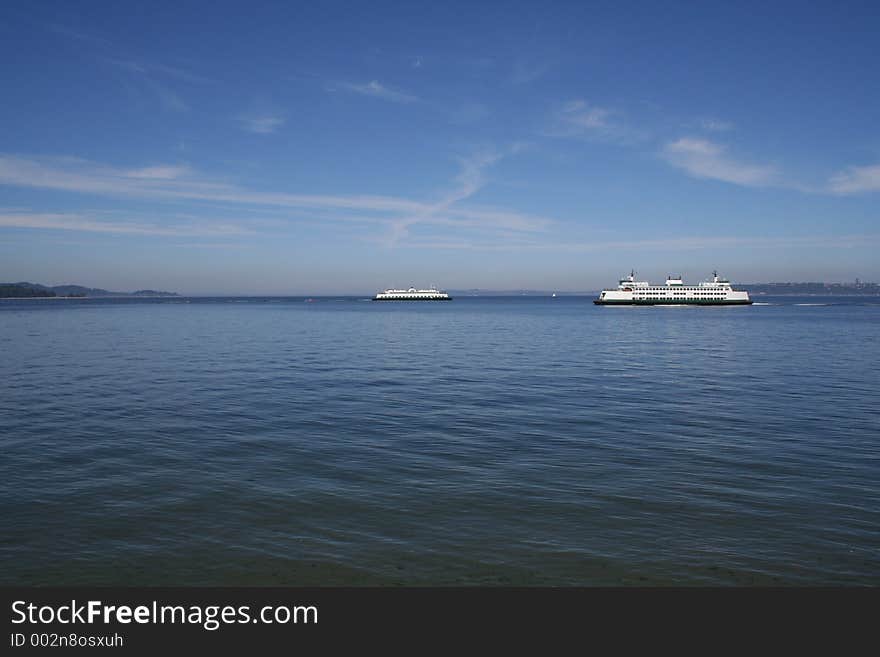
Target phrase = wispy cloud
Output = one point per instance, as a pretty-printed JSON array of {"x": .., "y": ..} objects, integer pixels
[
  {"x": 470, "y": 179},
  {"x": 156, "y": 69},
  {"x": 83, "y": 176},
  {"x": 85, "y": 223},
  {"x": 262, "y": 117},
  {"x": 212, "y": 245},
  {"x": 705, "y": 159},
  {"x": 856, "y": 180},
  {"x": 527, "y": 70},
  {"x": 715, "y": 125},
  {"x": 155, "y": 78},
  {"x": 177, "y": 182},
  {"x": 468, "y": 112},
  {"x": 77, "y": 34},
  {"x": 695, "y": 243},
  {"x": 161, "y": 172},
  {"x": 584, "y": 120},
  {"x": 264, "y": 124},
  {"x": 158, "y": 80},
  {"x": 581, "y": 115},
  {"x": 152, "y": 75},
  {"x": 168, "y": 99},
  {"x": 375, "y": 89}
]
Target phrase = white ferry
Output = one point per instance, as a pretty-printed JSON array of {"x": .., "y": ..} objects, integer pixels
[
  {"x": 630, "y": 292},
  {"x": 412, "y": 294}
]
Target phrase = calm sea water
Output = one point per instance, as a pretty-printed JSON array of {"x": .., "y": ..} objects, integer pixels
[{"x": 482, "y": 441}]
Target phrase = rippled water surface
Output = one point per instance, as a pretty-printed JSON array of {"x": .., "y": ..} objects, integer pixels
[{"x": 482, "y": 441}]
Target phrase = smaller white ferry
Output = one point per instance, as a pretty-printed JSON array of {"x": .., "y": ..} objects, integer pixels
[
  {"x": 412, "y": 294},
  {"x": 630, "y": 292}
]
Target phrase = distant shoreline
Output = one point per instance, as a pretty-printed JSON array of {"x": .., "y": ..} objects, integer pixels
[
  {"x": 364, "y": 295},
  {"x": 107, "y": 296}
]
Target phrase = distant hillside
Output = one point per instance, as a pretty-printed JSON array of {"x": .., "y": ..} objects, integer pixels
[
  {"x": 150, "y": 293},
  {"x": 810, "y": 288},
  {"x": 23, "y": 291},
  {"x": 476, "y": 292},
  {"x": 79, "y": 291},
  {"x": 26, "y": 290}
]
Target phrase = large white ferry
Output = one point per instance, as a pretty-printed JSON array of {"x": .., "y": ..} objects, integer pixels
[
  {"x": 412, "y": 294},
  {"x": 630, "y": 292}
]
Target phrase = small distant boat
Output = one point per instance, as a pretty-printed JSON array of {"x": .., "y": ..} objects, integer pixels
[
  {"x": 412, "y": 294},
  {"x": 554, "y": 294}
]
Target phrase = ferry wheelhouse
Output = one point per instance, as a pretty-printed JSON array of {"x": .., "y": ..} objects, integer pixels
[{"x": 630, "y": 292}]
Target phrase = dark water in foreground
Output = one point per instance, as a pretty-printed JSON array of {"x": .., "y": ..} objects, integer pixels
[{"x": 483, "y": 441}]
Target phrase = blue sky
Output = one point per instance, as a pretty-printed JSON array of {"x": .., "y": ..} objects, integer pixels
[{"x": 308, "y": 148}]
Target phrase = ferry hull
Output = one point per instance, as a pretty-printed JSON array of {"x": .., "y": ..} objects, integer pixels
[
  {"x": 415, "y": 299},
  {"x": 677, "y": 302}
]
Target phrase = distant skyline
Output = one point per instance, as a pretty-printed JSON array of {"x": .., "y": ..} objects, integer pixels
[{"x": 331, "y": 148}]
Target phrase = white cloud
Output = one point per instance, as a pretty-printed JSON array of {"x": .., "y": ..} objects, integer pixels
[
  {"x": 702, "y": 158},
  {"x": 856, "y": 180},
  {"x": 376, "y": 90}
]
